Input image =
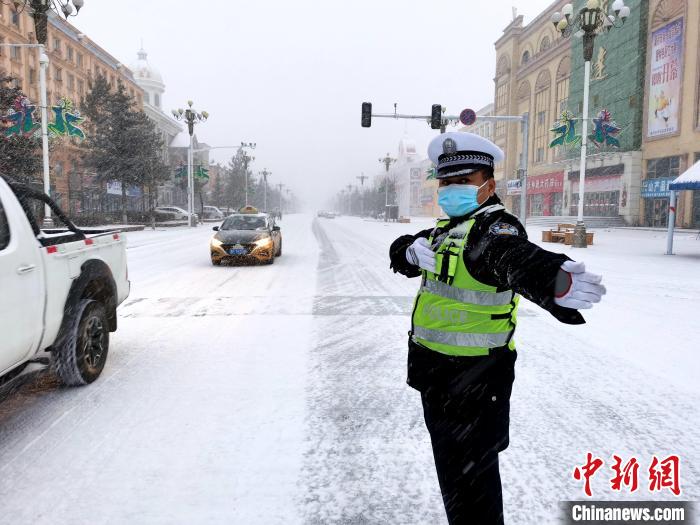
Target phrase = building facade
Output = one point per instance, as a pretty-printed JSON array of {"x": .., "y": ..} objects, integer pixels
[
  {"x": 74, "y": 60},
  {"x": 533, "y": 71},
  {"x": 671, "y": 127},
  {"x": 416, "y": 193},
  {"x": 540, "y": 73},
  {"x": 149, "y": 79},
  {"x": 613, "y": 172}
]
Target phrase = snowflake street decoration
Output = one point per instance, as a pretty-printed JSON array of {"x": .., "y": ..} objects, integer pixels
[
  {"x": 605, "y": 131},
  {"x": 565, "y": 129},
  {"x": 19, "y": 120},
  {"x": 66, "y": 120}
]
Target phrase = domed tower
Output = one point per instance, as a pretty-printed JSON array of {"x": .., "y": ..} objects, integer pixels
[{"x": 149, "y": 79}]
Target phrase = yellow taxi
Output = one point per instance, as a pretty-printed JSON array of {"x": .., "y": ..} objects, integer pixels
[{"x": 246, "y": 236}]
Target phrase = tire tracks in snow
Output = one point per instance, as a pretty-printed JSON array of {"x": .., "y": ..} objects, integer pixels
[{"x": 368, "y": 455}]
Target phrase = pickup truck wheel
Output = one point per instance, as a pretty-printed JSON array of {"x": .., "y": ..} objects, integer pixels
[
  {"x": 279, "y": 251},
  {"x": 80, "y": 356}
]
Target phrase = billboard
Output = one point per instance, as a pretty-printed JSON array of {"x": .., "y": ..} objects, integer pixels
[{"x": 665, "y": 75}]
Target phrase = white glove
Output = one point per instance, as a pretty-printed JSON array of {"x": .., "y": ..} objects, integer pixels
[
  {"x": 584, "y": 288},
  {"x": 419, "y": 254}
]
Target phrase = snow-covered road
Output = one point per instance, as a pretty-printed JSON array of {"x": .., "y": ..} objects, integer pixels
[{"x": 276, "y": 394}]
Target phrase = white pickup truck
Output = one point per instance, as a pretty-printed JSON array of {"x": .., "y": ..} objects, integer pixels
[{"x": 59, "y": 291}]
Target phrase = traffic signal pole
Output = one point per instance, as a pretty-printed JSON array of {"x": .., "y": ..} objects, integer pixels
[{"x": 439, "y": 121}]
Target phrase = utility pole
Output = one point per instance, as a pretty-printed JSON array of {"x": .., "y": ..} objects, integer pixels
[
  {"x": 280, "y": 186},
  {"x": 362, "y": 179},
  {"x": 349, "y": 187},
  {"x": 387, "y": 161}
]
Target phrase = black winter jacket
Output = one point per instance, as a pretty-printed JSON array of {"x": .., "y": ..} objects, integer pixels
[{"x": 498, "y": 253}]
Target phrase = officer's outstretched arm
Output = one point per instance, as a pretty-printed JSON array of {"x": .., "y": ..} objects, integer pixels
[
  {"x": 514, "y": 262},
  {"x": 397, "y": 254}
]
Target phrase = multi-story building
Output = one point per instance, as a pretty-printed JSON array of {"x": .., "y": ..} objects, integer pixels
[
  {"x": 74, "y": 60},
  {"x": 151, "y": 81},
  {"x": 671, "y": 130},
  {"x": 533, "y": 68},
  {"x": 539, "y": 73},
  {"x": 415, "y": 192}
]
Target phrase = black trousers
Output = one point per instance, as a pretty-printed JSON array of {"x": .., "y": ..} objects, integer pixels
[{"x": 466, "y": 406}]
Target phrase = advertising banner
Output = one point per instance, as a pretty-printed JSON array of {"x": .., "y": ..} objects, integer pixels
[{"x": 666, "y": 72}]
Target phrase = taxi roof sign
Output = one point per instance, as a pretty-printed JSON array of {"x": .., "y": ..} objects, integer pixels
[{"x": 248, "y": 209}]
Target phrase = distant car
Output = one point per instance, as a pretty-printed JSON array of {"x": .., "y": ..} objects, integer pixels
[
  {"x": 326, "y": 214},
  {"x": 246, "y": 236},
  {"x": 176, "y": 214},
  {"x": 212, "y": 212}
]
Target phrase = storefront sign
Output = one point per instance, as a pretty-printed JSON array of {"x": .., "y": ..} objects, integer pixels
[
  {"x": 656, "y": 187},
  {"x": 600, "y": 184},
  {"x": 549, "y": 183},
  {"x": 115, "y": 188},
  {"x": 514, "y": 187},
  {"x": 666, "y": 72}
]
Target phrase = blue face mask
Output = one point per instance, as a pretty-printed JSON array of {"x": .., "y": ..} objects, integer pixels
[{"x": 458, "y": 199}]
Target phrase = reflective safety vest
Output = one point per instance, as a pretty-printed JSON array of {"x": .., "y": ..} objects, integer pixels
[{"x": 455, "y": 314}]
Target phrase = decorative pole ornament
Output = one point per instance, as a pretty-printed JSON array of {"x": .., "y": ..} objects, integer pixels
[
  {"x": 19, "y": 120},
  {"x": 565, "y": 129},
  {"x": 606, "y": 130}
]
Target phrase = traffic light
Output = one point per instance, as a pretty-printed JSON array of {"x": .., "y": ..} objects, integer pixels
[
  {"x": 366, "y": 114},
  {"x": 436, "y": 117}
]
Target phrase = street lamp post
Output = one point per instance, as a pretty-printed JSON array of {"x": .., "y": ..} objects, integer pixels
[
  {"x": 387, "y": 161},
  {"x": 589, "y": 22},
  {"x": 265, "y": 174},
  {"x": 39, "y": 12},
  {"x": 192, "y": 117},
  {"x": 246, "y": 159},
  {"x": 362, "y": 179},
  {"x": 280, "y": 186},
  {"x": 43, "y": 65}
]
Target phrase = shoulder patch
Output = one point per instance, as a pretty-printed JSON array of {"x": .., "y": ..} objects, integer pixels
[{"x": 503, "y": 228}]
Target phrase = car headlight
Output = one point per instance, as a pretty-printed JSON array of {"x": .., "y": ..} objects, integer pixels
[
  {"x": 216, "y": 243},
  {"x": 263, "y": 243}
]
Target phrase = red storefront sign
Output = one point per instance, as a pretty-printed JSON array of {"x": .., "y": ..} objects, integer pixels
[{"x": 549, "y": 183}]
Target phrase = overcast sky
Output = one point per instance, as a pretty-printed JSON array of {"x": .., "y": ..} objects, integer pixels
[{"x": 291, "y": 75}]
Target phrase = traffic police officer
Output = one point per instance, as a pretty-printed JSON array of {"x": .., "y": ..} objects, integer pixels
[{"x": 474, "y": 265}]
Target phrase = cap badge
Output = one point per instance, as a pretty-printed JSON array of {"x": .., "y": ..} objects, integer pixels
[{"x": 449, "y": 146}]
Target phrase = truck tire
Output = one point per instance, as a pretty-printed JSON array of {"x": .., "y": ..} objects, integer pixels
[
  {"x": 279, "y": 251},
  {"x": 80, "y": 355}
]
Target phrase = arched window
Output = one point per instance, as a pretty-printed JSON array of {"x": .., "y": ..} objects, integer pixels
[
  {"x": 524, "y": 91},
  {"x": 503, "y": 66},
  {"x": 542, "y": 117},
  {"x": 545, "y": 44},
  {"x": 525, "y": 59}
]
